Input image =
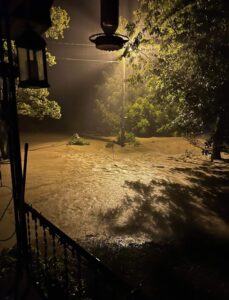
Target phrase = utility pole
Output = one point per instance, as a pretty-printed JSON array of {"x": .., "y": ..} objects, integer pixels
[{"x": 123, "y": 120}]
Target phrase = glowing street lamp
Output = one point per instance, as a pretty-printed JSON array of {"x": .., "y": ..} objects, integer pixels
[
  {"x": 109, "y": 41},
  {"x": 32, "y": 60}
]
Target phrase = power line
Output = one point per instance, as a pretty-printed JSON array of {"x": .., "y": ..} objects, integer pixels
[
  {"x": 88, "y": 60},
  {"x": 71, "y": 44}
]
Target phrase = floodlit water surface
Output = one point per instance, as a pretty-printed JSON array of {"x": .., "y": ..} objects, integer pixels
[{"x": 124, "y": 195}]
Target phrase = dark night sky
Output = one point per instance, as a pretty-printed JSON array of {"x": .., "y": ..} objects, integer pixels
[{"x": 73, "y": 81}]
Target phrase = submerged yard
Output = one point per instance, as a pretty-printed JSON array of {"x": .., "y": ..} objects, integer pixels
[{"x": 160, "y": 208}]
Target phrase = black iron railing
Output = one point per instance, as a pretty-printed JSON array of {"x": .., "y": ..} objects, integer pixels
[{"x": 63, "y": 269}]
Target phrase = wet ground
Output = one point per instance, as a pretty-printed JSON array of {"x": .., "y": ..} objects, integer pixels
[
  {"x": 134, "y": 194},
  {"x": 149, "y": 198}
]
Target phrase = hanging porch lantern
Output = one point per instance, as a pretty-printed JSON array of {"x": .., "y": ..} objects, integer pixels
[
  {"x": 109, "y": 41},
  {"x": 32, "y": 60}
]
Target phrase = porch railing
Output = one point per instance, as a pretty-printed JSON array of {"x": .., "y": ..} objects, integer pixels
[{"x": 62, "y": 269}]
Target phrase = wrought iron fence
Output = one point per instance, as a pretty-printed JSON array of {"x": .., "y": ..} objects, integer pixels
[{"x": 62, "y": 269}]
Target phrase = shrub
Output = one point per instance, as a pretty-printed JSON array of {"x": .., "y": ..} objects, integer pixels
[
  {"x": 77, "y": 140},
  {"x": 109, "y": 145},
  {"x": 129, "y": 139}
]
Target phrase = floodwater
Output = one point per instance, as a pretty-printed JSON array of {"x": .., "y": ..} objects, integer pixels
[{"x": 153, "y": 192}]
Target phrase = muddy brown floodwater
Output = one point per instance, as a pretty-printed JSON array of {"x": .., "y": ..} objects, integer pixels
[{"x": 152, "y": 192}]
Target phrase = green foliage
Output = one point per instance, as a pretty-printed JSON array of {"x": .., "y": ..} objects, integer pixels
[
  {"x": 129, "y": 138},
  {"x": 141, "y": 117},
  {"x": 51, "y": 59},
  {"x": 109, "y": 100},
  {"x": 108, "y": 118},
  {"x": 110, "y": 145},
  {"x": 77, "y": 140},
  {"x": 178, "y": 72},
  {"x": 185, "y": 43},
  {"x": 181, "y": 56},
  {"x": 111, "y": 104},
  {"x": 60, "y": 22},
  {"x": 35, "y": 103}
]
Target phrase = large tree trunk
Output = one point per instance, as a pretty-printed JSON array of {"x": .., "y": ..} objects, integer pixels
[
  {"x": 216, "y": 153},
  {"x": 221, "y": 134}
]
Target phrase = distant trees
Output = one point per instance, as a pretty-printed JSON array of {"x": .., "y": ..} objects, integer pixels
[
  {"x": 187, "y": 72},
  {"x": 35, "y": 102},
  {"x": 109, "y": 101},
  {"x": 181, "y": 58}
]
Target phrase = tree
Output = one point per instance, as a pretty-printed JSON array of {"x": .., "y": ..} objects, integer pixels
[
  {"x": 181, "y": 56},
  {"x": 35, "y": 102},
  {"x": 109, "y": 100},
  {"x": 143, "y": 117},
  {"x": 111, "y": 105}
]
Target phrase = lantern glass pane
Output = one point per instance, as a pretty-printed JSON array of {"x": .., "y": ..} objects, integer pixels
[
  {"x": 31, "y": 55},
  {"x": 23, "y": 64},
  {"x": 33, "y": 66},
  {"x": 40, "y": 65}
]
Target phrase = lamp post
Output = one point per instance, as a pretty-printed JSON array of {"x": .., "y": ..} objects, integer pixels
[
  {"x": 123, "y": 105},
  {"x": 126, "y": 53}
]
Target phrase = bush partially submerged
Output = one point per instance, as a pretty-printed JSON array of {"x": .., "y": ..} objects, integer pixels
[
  {"x": 110, "y": 144},
  {"x": 129, "y": 139},
  {"x": 77, "y": 140}
]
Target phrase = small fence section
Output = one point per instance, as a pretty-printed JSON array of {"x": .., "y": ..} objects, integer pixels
[{"x": 62, "y": 269}]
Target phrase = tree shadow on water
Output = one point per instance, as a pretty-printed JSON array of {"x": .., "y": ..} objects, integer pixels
[
  {"x": 164, "y": 209},
  {"x": 189, "y": 232},
  {"x": 211, "y": 185},
  {"x": 148, "y": 212}
]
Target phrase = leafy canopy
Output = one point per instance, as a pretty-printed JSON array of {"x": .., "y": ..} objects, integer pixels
[{"x": 181, "y": 56}]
